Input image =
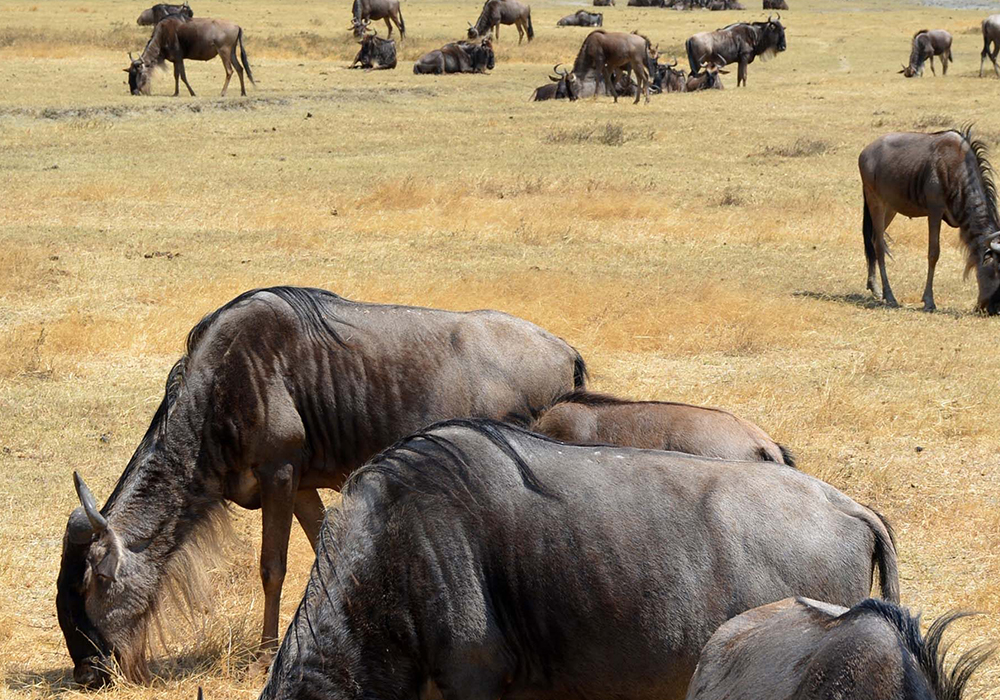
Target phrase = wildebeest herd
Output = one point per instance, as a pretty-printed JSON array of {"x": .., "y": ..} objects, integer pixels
[{"x": 504, "y": 531}]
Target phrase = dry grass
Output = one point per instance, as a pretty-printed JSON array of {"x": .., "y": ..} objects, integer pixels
[{"x": 704, "y": 248}]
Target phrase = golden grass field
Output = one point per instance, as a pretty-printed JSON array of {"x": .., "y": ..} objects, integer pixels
[{"x": 703, "y": 248}]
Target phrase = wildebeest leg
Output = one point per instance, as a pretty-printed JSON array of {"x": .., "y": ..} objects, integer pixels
[
  {"x": 496, "y": 31},
  {"x": 388, "y": 24},
  {"x": 933, "y": 251},
  {"x": 239, "y": 70},
  {"x": 609, "y": 81},
  {"x": 309, "y": 512},
  {"x": 993, "y": 57},
  {"x": 520, "y": 30},
  {"x": 741, "y": 72},
  {"x": 882, "y": 216},
  {"x": 228, "y": 65},
  {"x": 179, "y": 68},
  {"x": 933, "y": 72},
  {"x": 277, "y": 496}
]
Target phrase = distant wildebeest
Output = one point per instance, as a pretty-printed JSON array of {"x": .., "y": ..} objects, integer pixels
[
  {"x": 603, "y": 52},
  {"x": 483, "y": 561},
  {"x": 460, "y": 57},
  {"x": 375, "y": 10},
  {"x": 376, "y": 53},
  {"x": 717, "y": 5},
  {"x": 497, "y": 12},
  {"x": 564, "y": 86},
  {"x": 587, "y": 418},
  {"x": 646, "y": 3},
  {"x": 582, "y": 18},
  {"x": 198, "y": 39},
  {"x": 801, "y": 649},
  {"x": 991, "y": 35},
  {"x": 925, "y": 46},
  {"x": 669, "y": 78},
  {"x": 281, "y": 391},
  {"x": 738, "y": 43},
  {"x": 604, "y": 3},
  {"x": 944, "y": 176},
  {"x": 158, "y": 12},
  {"x": 708, "y": 78},
  {"x": 775, "y": 5}
]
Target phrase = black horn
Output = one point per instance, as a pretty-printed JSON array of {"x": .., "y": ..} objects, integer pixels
[{"x": 97, "y": 520}]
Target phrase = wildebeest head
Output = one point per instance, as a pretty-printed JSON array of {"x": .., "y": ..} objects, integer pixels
[
  {"x": 669, "y": 78},
  {"x": 567, "y": 85},
  {"x": 138, "y": 76},
  {"x": 988, "y": 274},
  {"x": 707, "y": 77},
  {"x": 358, "y": 28},
  {"x": 908, "y": 72},
  {"x": 772, "y": 38},
  {"x": 473, "y": 32},
  {"x": 482, "y": 57}
]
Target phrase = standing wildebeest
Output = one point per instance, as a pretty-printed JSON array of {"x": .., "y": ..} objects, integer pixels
[
  {"x": 738, "y": 43},
  {"x": 497, "y": 12},
  {"x": 991, "y": 35},
  {"x": 801, "y": 649},
  {"x": 363, "y": 10},
  {"x": 492, "y": 562},
  {"x": 587, "y": 418},
  {"x": 375, "y": 53},
  {"x": 926, "y": 45},
  {"x": 582, "y": 18},
  {"x": 707, "y": 78},
  {"x": 281, "y": 391},
  {"x": 943, "y": 176},
  {"x": 158, "y": 12},
  {"x": 199, "y": 39},
  {"x": 602, "y": 53},
  {"x": 669, "y": 78},
  {"x": 564, "y": 86},
  {"x": 461, "y": 57},
  {"x": 775, "y": 5}
]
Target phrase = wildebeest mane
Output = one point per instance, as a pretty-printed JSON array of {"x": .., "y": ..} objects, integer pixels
[
  {"x": 929, "y": 651},
  {"x": 919, "y": 32}
]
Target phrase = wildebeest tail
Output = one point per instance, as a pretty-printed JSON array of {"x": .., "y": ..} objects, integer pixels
[
  {"x": 788, "y": 456},
  {"x": 868, "y": 233},
  {"x": 243, "y": 56},
  {"x": 884, "y": 556},
  {"x": 531, "y": 30},
  {"x": 579, "y": 372},
  {"x": 689, "y": 47},
  {"x": 402, "y": 24}
]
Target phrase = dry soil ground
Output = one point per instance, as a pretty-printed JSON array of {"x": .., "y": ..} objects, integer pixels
[{"x": 703, "y": 248}]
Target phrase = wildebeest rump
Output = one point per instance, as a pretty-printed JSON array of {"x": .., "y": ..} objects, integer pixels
[
  {"x": 582, "y": 18},
  {"x": 925, "y": 46},
  {"x": 991, "y": 43},
  {"x": 198, "y": 39},
  {"x": 588, "y": 418},
  {"x": 497, "y": 12},
  {"x": 158, "y": 12},
  {"x": 801, "y": 649},
  {"x": 494, "y": 563},
  {"x": 738, "y": 43},
  {"x": 373, "y": 10},
  {"x": 375, "y": 53},
  {"x": 460, "y": 57},
  {"x": 604, "y": 3},
  {"x": 281, "y": 391},
  {"x": 645, "y": 3},
  {"x": 775, "y": 5},
  {"x": 944, "y": 176},
  {"x": 603, "y": 52}
]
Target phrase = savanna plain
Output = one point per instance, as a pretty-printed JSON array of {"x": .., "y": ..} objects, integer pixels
[{"x": 703, "y": 248}]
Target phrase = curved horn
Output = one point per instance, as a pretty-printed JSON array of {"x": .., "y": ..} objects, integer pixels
[
  {"x": 778, "y": 18},
  {"x": 995, "y": 245},
  {"x": 201, "y": 694},
  {"x": 130, "y": 57},
  {"x": 98, "y": 521},
  {"x": 674, "y": 64}
]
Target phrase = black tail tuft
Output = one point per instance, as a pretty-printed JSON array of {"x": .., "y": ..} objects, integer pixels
[
  {"x": 868, "y": 233},
  {"x": 689, "y": 47},
  {"x": 243, "y": 56},
  {"x": 402, "y": 24},
  {"x": 788, "y": 456},
  {"x": 531, "y": 30},
  {"x": 579, "y": 372}
]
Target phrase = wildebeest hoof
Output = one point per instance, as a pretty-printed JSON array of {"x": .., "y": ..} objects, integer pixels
[
  {"x": 929, "y": 307},
  {"x": 891, "y": 302}
]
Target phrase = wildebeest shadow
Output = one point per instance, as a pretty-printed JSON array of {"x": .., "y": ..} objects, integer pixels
[{"x": 867, "y": 301}]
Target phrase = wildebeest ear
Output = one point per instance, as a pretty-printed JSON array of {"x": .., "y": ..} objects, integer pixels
[
  {"x": 108, "y": 566},
  {"x": 722, "y": 71}
]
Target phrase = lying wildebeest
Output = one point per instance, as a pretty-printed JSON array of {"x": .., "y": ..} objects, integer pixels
[
  {"x": 461, "y": 57},
  {"x": 775, "y": 5},
  {"x": 669, "y": 78},
  {"x": 158, "y": 12},
  {"x": 717, "y": 5},
  {"x": 376, "y": 53},
  {"x": 646, "y": 3},
  {"x": 281, "y": 391},
  {"x": 943, "y": 176},
  {"x": 588, "y": 418},
  {"x": 564, "y": 86},
  {"x": 603, "y": 52},
  {"x": 801, "y": 649},
  {"x": 582, "y": 18},
  {"x": 604, "y": 3},
  {"x": 991, "y": 35},
  {"x": 497, "y": 12},
  {"x": 197, "y": 39},
  {"x": 707, "y": 78},
  {"x": 738, "y": 43},
  {"x": 375, "y": 10},
  {"x": 926, "y": 45},
  {"x": 493, "y": 562}
]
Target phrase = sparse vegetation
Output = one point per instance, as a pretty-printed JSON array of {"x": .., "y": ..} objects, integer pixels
[{"x": 610, "y": 134}]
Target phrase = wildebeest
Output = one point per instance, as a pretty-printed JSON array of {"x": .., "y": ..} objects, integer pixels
[
  {"x": 646, "y": 3},
  {"x": 582, "y": 18},
  {"x": 738, "y": 43},
  {"x": 669, "y": 78},
  {"x": 196, "y": 39},
  {"x": 564, "y": 86},
  {"x": 944, "y": 176},
  {"x": 375, "y": 53},
  {"x": 588, "y": 418},
  {"x": 375, "y": 10},
  {"x": 460, "y": 57},
  {"x": 991, "y": 35},
  {"x": 281, "y": 391},
  {"x": 775, "y": 5},
  {"x": 158, "y": 12},
  {"x": 604, "y": 3},
  {"x": 493, "y": 562},
  {"x": 717, "y": 5},
  {"x": 603, "y": 52},
  {"x": 925, "y": 46},
  {"x": 708, "y": 78},
  {"x": 801, "y": 649},
  {"x": 497, "y": 12}
]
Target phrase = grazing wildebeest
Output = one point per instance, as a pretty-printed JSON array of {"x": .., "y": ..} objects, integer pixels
[
  {"x": 158, "y": 12},
  {"x": 738, "y": 43},
  {"x": 603, "y": 52},
  {"x": 196, "y": 39},
  {"x": 926, "y": 45},
  {"x": 991, "y": 35},
  {"x": 775, "y": 5},
  {"x": 461, "y": 57},
  {"x": 669, "y": 78},
  {"x": 375, "y": 10},
  {"x": 707, "y": 78},
  {"x": 497, "y": 12},
  {"x": 281, "y": 391},
  {"x": 582, "y": 18},
  {"x": 604, "y": 3},
  {"x": 588, "y": 418},
  {"x": 801, "y": 649},
  {"x": 376, "y": 53},
  {"x": 564, "y": 86},
  {"x": 492, "y": 562},
  {"x": 646, "y": 3},
  {"x": 944, "y": 176}
]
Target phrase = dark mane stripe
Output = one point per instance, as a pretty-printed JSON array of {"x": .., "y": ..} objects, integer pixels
[{"x": 981, "y": 151}]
